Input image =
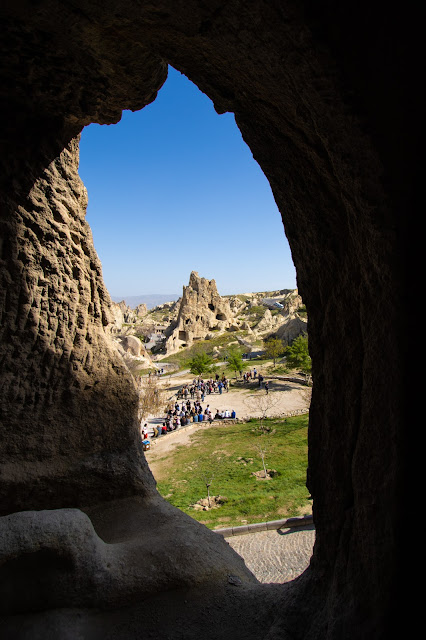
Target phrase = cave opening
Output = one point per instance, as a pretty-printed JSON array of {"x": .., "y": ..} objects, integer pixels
[
  {"x": 321, "y": 98},
  {"x": 157, "y": 216}
]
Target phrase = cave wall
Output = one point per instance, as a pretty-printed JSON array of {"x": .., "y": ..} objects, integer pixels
[
  {"x": 319, "y": 95},
  {"x": 69, "y": 406}
]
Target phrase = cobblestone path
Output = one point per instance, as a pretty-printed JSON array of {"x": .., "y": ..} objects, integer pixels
[{"x": 276, "y": 556}]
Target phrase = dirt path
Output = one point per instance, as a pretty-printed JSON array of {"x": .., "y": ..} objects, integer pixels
[{"x": 284, "y": 398}]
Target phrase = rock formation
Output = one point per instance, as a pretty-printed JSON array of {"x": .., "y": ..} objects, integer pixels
[
  {"x": 293, "y": 327},
  {"x": 201, "y": 311},
  {"x": 141, "y": 310},
  {"x": 67, "y": 311},
  {"x": 117, "y": 318}
]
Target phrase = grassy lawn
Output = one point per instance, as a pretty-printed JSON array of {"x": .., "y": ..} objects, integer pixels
[{"x": 227, "y": 452}]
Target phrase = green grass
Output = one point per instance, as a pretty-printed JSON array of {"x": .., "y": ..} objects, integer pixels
[{"x": 229, "y": 450}]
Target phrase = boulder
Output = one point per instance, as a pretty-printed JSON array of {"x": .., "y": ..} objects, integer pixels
[
  {"x": 133, "y": 345},
  {"x": 293, "y": 326}
]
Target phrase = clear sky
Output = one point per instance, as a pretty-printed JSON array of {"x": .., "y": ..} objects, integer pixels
[{"x": 173, "y": 188}]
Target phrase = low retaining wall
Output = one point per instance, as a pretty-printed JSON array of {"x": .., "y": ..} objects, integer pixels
[
  {"x": 206, "y": 423},
  {"x": 203, "y": 423},
  {"x": 273, "y": 525}
]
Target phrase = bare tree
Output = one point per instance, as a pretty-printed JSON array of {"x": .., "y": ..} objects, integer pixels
[
  {"x": 206, "y": 470},
  {"x": 261, "y": 449},
  {"x": 261, "y": 405},
  {"x": 207, "y": 476},
  {"x": 152, "y": 396}
]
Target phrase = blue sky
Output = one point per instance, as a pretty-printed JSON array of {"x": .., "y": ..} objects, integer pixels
[{"x": 173, "y": 188}]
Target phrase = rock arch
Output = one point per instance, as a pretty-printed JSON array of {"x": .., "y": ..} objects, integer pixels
[{"x": 319, "y": 95}]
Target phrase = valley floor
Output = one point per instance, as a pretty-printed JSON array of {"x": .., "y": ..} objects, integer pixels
[
  {"x": 273, "y": 556},
  {"x": 285, "y": 398}
]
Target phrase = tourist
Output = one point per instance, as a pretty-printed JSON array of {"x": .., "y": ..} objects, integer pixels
[
  {"x": 233, "y": 414},
  {"x": 267, "y": 387}
]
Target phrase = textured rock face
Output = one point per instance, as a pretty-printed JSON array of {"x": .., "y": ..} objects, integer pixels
[
  {"x": 59, "y": 365},
  {"x": 320, "y": 93},
  {"x": 117, "y": 316},
  {"x": 201, "y": 311},
  {"x": 70, "y": 566}
]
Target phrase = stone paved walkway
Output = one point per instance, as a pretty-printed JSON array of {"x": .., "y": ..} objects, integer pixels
[{"x": 276, "y": 556}]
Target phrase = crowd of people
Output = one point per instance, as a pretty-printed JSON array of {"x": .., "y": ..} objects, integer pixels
[
  {"x": 190, "y": 398},
  {"x": 199, "y": 388},
  {"x": 189, "y": 408},
  {"x": 254, "y": 375}
]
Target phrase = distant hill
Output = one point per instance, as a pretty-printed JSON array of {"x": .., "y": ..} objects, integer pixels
[{"x": 151, "y": 300}]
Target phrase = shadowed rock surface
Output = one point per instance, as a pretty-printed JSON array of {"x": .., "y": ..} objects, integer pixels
[{"x": 321, "y": 94}]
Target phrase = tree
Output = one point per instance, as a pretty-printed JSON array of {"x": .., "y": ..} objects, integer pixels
[
  {"x": 261, "y": 449},
  {"x": 200, "y": 363},
  {"x": 236, "y": 362},
  {"x": 152, "y": 396},
  {"x": 297, "y": 355},
  {"x": 206, "y": 469},
  {"x": 260, "y": 406},
  {"x": 273, "y": 348}
]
